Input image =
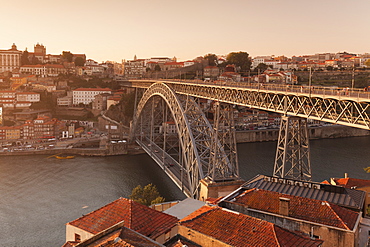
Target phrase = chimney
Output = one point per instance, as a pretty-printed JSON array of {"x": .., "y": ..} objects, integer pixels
[
  {"x": 284, "y": 206},
  {"x": 345, "y": 175}
]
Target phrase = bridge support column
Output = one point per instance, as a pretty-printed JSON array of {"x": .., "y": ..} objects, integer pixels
[
  {"x": 224, "y": 135},
  {"x": 212, "y": 189},
  {"x": 293, "y": 153}
]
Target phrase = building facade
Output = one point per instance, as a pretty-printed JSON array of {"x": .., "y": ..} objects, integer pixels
[
  {"x": 10, "y": 59},
  {"x": 87, "y": 95}
]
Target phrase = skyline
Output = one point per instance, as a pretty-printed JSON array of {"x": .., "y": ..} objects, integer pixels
[{"x": 120, "y": 29}]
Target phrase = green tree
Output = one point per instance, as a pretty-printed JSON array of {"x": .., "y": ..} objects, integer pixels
[
  {"x": 79, "y": 61},
  {"x": 241, "y": 60},
  {"x": 212, "y": 59},
  {"x": 261, "y": 67},
  {"x": 24, "y": 58},
  {"x": 148, "y": 195},
  {"x": 67, "y": 55}
]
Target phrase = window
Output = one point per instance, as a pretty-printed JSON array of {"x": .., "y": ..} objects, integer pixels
[{"x": 77, "y": 237}]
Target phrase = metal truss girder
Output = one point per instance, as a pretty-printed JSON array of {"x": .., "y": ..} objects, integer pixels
[
  {"x": 194, "y": 131},
  {"x": 292, "y": 154},
  {"x": 344, "y": 111}
]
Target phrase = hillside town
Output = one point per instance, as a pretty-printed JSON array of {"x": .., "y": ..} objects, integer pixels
[{"x": 48, "y": 96}]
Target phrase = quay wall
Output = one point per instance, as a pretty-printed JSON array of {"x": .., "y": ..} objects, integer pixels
[
  {"x": 335, "y": 131},
  {"x": 109, "y": 150}
]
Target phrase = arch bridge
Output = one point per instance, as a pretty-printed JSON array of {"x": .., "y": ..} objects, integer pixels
[{"x": 171, "y": 126}]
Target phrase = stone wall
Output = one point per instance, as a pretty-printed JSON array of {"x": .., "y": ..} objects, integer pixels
[{"x": 335, "y": 131}]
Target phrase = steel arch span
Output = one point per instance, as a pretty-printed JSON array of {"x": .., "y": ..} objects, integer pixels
[{"x": 183, "y": 149}]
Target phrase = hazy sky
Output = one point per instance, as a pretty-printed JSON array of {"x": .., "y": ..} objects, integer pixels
[{"x": 119, "y": 29}]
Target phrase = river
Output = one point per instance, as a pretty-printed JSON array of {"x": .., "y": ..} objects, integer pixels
[{"x": 39, "y": 195}]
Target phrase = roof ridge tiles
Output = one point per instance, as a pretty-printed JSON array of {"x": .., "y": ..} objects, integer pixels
[
  {"x": 335, "y": 213},
  {"x": 94, "y": 211}
]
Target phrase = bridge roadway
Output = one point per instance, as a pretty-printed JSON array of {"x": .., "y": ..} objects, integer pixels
[{"x": 336, "y": 105}]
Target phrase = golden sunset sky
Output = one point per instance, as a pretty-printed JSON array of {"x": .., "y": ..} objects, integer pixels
[{"x": 119, "y": 29}]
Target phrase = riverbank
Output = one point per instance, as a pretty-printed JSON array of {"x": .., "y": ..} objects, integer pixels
[
  {"x": 108, "y": 150},
  {"x": 248, "y": 136},
  {"x": 322, "y": 132}
]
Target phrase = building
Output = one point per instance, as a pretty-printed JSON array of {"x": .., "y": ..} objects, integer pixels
[
  {"x": 43, "y": 70},
  {"x": 215, "y": 226},
  {"x": 28, "y": 96},
  {"x": 45, "y": 127},
  {"x": 354, "y": 183},
  {"x": 134, "y": 69},
  {"x": 317, "y": 219},
  {"x": 87, "y": 95},
  {"x": 118, "y": 236},
  {"x": 149, "y": 222},
  {"x": 10, "y": 59},
  {"x": 100, "y": 102},
  {"x": 65, "y": 101},
  {"x": 211, "y": 72}
]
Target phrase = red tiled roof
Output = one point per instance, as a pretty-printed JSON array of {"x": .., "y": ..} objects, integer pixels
[
  {"x": 352, "y": 182},
  {"x": 70, "y": 244},
  {"x": 136, "y": 217},
  {"x": 241, "y": 230},
  {"x": 317, "y": 211}
]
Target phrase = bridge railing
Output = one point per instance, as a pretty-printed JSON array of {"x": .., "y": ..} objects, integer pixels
[{"x": 340, "y": 93}]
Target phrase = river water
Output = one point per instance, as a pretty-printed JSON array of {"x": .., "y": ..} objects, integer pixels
[{"x": 39, "y": 195}]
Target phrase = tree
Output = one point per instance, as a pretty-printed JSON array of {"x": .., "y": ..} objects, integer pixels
[
  {"x": 261, "y": 67},
  {"x": 148, "y": 195},
  {"x": 241, "y": 60},
  {"x": 67, "y": 55},
  {"x": 212, "y": 59},
  {"x": 367, "y": 63},
  {"x": 79, "y": 61}
]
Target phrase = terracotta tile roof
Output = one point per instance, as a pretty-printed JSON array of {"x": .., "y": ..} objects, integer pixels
[
  {"x": 317, "y": 211},
  {"x": 213, "y": 200},
  {"x": 70, "y": 244},
  {"x": 136, "y": 217},
  {"x": 241, "y": 230},
  {"x": 352, "y": 182},
  {"x": 349, "y": 198}
]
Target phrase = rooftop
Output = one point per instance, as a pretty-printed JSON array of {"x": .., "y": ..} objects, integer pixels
[
  {"x": 241, "y": 230},
  {"x": 135, "y": 215},
  {"x": 349, "y": 198},
  {"x": 317, "y": 211}
]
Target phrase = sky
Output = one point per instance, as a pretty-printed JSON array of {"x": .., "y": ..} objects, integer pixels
[{"x": 120, "y": 29}]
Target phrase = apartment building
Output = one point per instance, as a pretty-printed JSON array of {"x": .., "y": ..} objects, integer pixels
[
  {"x": 87, "y": 95},
  {"x": 43, "y": 70}
]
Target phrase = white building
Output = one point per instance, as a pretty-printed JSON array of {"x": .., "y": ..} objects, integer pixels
[
  {"x": 10, "y": 59},
  {"x": 87, "y": 95}
]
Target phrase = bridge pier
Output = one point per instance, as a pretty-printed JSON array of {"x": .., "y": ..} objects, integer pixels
[
  {"x": 292, "y": 158},
  {"x": 216, "y": 189}
]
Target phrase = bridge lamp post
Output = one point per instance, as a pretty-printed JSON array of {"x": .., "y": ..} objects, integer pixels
[
  {"x": 353, "y": 75},
  {"x": 309, "y": 81}
]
